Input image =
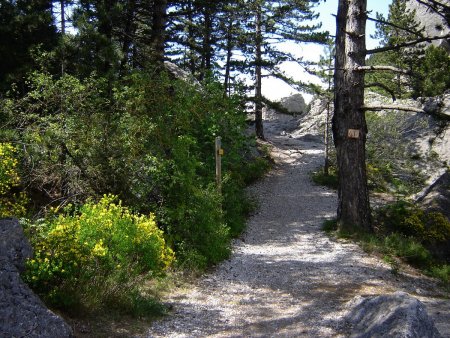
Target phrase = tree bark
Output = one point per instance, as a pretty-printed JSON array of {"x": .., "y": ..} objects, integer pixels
[
  {"x": 207, "y": 51},
  {"x": 226, "y": 82},
  {"x": 349, "y": 124},
  {"x": 259, "y": 129},
  {"x": 158, "y": 31}
]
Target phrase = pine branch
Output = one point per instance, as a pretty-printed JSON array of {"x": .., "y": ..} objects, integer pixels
[
  {"x": 388, "y": 23},
  {"x": 406, "y": 44},
  {"x": 381, "y": 85}
]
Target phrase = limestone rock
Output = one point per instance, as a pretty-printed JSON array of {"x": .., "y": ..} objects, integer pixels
[
  {"x": 295, "y": 104},
  {"x": 434, "y": 24},
  {"x": 437, "y": 196},
  {"x": 22, "y": 313},
  {"x": 395, "y": 315},
  {"x": 181, "y": 74}
]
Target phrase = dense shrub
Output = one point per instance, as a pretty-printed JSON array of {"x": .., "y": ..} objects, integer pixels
[
  {"x": 148, "y": 139},
  {"x": 432, "y": 229},
  {"x": 94, "y": 256},
  {"x": 411, "y": 220}
]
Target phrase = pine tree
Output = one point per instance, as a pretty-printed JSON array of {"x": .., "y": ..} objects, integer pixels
[
  {"x": 24, "y": 27},
  {"x": 399, "y": 27},
  {"x": 277, "y": 22}
]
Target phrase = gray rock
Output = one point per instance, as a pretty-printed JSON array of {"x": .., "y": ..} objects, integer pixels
[
  {"x": 14, "y": 247},
  {"x": 295, "y": 104},
  {"x": 437, "y": 196},
  {"x": 181, "y": 74},
  {"x": 395, "y": 315},
  {"x": 438, "y": 105},
  {"x": 22, "y": 313},
  {"x": 433, "y": 23}
]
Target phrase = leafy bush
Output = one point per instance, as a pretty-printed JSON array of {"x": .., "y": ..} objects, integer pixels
[
  {"x": 96, "y": 255},
  {"x": 148, "y": 139},
  {"x": 407, "y": 219},
  {"x": 12, "y": 203}
]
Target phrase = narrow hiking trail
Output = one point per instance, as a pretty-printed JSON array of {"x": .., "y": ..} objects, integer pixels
[{"x": 286, "y": 278}]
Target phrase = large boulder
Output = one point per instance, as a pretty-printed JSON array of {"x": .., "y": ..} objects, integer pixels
[
  {"x": 295, "y": 104},
  {"x": 22, "y": 313},
  {"x": 437, "y": 196},
  {"x": 395, "y": 315}
]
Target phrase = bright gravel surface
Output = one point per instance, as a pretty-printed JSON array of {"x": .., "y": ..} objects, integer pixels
[{"x": 287, "y": 278}]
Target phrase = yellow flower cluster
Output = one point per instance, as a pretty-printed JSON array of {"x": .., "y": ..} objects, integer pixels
[
  {"x": 11, "y": 204},
  {"x": 103, "y": 239}
]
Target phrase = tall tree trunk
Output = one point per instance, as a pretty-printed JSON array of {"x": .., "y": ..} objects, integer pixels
[
  {"x": 63, "y": 32},
  {"x": 349, "y": 124},
  {"x": 207, "y": 39},
  {"x": 128, "y": 35},
  {"x": 229, "y": 47},
  {"x": 63, "y": 16},
  {"x": 258, "y": 89},
  {"x": 158, "y": 30}
]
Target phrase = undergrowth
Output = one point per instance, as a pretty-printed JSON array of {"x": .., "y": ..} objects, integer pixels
[{"x": 403, "y": 233}]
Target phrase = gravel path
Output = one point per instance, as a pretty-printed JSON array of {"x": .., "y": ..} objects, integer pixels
[{"x": 286, "y": 278}]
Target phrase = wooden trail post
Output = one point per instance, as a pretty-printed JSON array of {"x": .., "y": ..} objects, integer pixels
[{"x": 219, "y": 154}]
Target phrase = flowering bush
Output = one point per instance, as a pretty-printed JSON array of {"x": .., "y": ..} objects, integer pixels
[
  {"x": 11, "y": 203},
  {"x": 93, "y": 255}
]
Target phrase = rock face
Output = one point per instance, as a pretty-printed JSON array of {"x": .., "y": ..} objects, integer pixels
[
  {"x": 22, "y": 313},
  {"x": 437, "y": 196},
  {"x": 433, "y": 23},
  {"x": 295, "y": 104},
  {"x": 396, "y": 315}
]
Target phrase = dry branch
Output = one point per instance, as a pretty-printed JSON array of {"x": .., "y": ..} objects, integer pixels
[
  {"x": 385, "y": 68},
  {"x": 406, "y": 44},
  {"x": 393, "y": 107}
]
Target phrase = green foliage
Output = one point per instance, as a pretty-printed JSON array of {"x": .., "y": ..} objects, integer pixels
[
  {"x": 404, "y": 232},
  {"x": 330, "y": 180},
  {"x": 429, "y": 228},
  {"x": 408, "y": 249},
  {"x": 442, "y": 272},
  {"x": 94, "y": 256},
  {"x": 429, "y": 66},
  {"x": 434, "y": 74},
  {"x": 149, "y": 140},
  {"x": 12, "y": 203},
  {"x": 24, "y": 26}
]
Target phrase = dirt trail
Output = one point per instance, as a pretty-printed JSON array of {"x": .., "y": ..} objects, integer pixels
[{"x": 286, "y": 278}]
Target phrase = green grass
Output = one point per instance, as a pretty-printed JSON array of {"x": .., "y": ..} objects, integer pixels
[
  {"x": 330, "y": 180},
  {"x": 395, "y": 248}
]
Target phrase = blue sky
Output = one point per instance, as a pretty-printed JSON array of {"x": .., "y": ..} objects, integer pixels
[
  {"x": 329, "y": 7},
  {"x": 276, "y": 89}
]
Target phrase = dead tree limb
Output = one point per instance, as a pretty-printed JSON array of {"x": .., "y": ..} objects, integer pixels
[
  {"x": 392, "y": 107},
  {"x": 436, "y": 114},
  {"x": 406, "y": 44},
  {"x": 384, "y": 68}
]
